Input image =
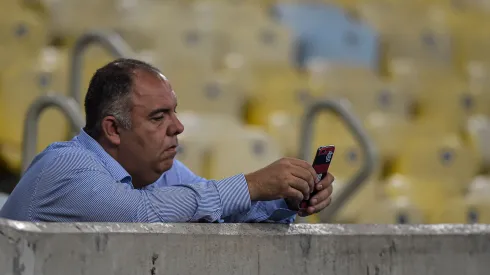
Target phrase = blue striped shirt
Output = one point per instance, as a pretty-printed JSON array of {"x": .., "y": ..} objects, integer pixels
[{"x": 78, "y": 181}]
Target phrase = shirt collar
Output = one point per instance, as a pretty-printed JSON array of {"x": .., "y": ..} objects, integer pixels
[{"x": 116, "y": 170}]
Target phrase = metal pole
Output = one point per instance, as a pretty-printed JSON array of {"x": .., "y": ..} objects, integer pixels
[
  {"x": 110, "y": 41},
  {"x": 67, "y": 105},
  {"x": 370, "y": 153}
]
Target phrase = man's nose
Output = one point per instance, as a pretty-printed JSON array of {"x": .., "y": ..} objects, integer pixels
[{"x": 176, "y": 128}]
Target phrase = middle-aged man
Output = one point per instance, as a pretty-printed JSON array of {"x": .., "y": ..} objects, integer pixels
[{"x": 121, "y": 166}]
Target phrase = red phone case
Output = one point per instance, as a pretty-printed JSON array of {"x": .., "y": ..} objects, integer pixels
[{"x": 321, "y": 163}]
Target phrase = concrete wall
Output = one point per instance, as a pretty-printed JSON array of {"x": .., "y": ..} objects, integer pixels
[{"x": 215, "y": 249}]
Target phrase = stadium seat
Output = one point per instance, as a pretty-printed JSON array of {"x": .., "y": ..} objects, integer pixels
[
  {"x": 365, "y": 197},
  {"x": 450, "y": 103},
  {"x": 69, "y": 18},
  {"x": 477, "y": 202},
  {"x": 201, "y": 131},
  {"x": 363, "y": 87},
  {"x": 283, "y": 127},
  {"x": 329, "y": 32},
  {"x": 409, "y": 32},
  {"x": 208, "y": 93},
  {"x": 280, "y": 90},
  {"x": 23, "y": 35},
  {"x": 268, "y": 45},
  {"x": 437, "y": 157},
  {"x": 478, "y": 132},
  {"x": 391, "y": 211},
  {"x": 190, "y": 48},
  {"x": 224, "y": 15},
  {"x": 242, "y": 151},
  {"x": 388, "y": 132},
  {"x": 19, "y": 86},
  {"x": 434, "y": 197}
]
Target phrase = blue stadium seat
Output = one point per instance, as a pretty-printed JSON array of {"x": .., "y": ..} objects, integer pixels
[{"x": 327, "y": 31}]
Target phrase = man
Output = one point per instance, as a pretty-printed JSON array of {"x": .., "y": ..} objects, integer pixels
[{"x": 121, "y": 166}]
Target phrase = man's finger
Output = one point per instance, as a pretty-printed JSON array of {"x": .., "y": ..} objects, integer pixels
[
  {"x": 294, "y": 194},
  {"x": 319, "y": 207},
  {"x": 321, "y": 196},
  {"x": 304, "y": 175},
  {"x": 324, "y": 183},
  {"x": 300, "y": 185},
  {"x": 305, "y": 165}
]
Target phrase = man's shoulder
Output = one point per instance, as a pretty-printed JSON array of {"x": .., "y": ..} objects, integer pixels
[{"x": 65, "y": 156}]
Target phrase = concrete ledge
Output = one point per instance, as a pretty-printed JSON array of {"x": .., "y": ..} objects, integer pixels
[{"x": 38, "y": 248}]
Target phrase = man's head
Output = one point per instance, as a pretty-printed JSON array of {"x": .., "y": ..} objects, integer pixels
[{"x": 130, "y": 110}]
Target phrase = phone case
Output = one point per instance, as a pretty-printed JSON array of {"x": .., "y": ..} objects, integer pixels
[{"x": 321, "y": 163}]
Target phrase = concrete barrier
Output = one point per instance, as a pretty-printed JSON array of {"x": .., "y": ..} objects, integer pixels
[{"x": 49, "y": 249}]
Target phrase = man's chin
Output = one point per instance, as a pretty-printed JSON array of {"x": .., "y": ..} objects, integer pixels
[{"x": 166, "y": 165}]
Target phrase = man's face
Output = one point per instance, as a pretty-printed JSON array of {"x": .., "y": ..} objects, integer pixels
[{"x": 149, "y": 147}]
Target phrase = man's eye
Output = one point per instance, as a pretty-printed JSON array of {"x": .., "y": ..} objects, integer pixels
[{"x": 158, "y": 118}]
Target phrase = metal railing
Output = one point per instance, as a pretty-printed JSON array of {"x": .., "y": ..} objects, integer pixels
[
  {"x": 110, "y": 41},
  {"x": 370, "y": 153},
  {"x": 66, "y": 105}
]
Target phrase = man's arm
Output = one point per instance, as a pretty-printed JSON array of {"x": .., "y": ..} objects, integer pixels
[
  {"x": 90, "y": 194},
  {"x": 275, "y": 211}
]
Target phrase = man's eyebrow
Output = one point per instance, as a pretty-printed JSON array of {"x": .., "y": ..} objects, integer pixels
[{"x": 159, "y": 110}]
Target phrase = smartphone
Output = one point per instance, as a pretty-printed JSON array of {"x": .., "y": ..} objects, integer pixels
[{"x": 321, "y": 163}]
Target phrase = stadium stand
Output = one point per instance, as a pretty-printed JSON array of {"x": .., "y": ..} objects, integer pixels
[{"x": 415, "y": 73}]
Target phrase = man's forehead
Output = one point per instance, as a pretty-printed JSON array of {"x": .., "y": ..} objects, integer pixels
[{"x": 153, "y": 86}]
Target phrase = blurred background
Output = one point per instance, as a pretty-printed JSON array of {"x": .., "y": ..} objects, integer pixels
[{"x": 415, "y": 74}]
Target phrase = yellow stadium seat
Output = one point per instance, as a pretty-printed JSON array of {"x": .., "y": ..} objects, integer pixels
[
  {"x": 389, "y": 133},
  {"x": 363, "y": 87},
  {"x": 283, "y": 127},
  {"x": 265, "y": 44},
  {"x": 192, "y": 151},
  {"x": 192, "y": 49},
  {"x": 242, "y": 151},
  {"x": 477, "y": 201},
  {"x": 282, "y": 90},
  {"x": 391, "y": 211},
  {"x": 143, "y": 24},
  {"x": 227, "y": 15},
  {"x": 450, "y": 103},
  {"x": 365, "y": 197},
  {"x": 438, "y": 158},
  {"x": 201, "y": 131},
  {"x": 435, "y": 198},
  {"x": 410, "y": 32},
  {"x": 23, "y": 35},
  {"x": 455, "y": 210},
  {"x": 443, "y": 98},
  {"x": 208, "y": 93},
  {"x": 68, "y": 18},
  {"x": 478, "y": 131},
  {"x": 19, "y": 86}
]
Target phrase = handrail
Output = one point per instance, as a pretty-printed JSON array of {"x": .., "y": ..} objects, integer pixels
[
  {"x": 370, "y": 153},
  {"x": 67, "y": 105},
  {"x": 110, "y": 41}
]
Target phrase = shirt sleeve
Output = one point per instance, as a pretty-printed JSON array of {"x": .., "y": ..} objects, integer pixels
[
  {"x": 275, "y": 211},
  {"x": 90, "y": 194}
]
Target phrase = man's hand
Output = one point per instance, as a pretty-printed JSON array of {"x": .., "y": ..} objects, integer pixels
[
  {"x": 286, "y": 178},
  {"x": 319, "y": 201}
]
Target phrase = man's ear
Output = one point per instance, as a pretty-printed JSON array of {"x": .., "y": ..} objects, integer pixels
[{"x": 110, "y": 130}]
